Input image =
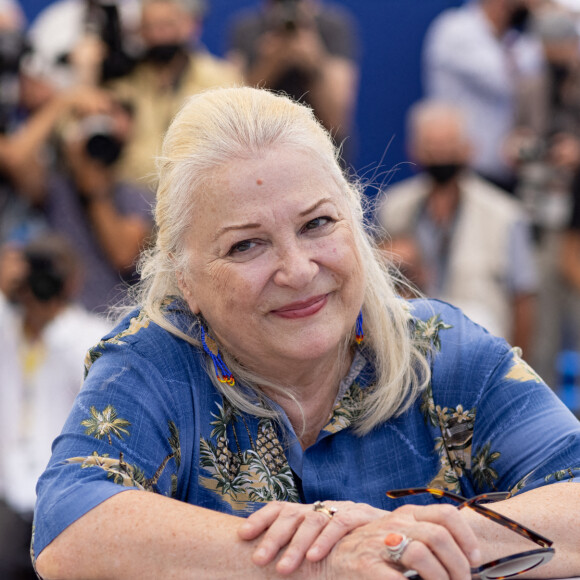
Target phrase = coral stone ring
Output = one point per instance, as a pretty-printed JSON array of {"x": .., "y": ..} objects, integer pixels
[{"x": 396, "y": 545}]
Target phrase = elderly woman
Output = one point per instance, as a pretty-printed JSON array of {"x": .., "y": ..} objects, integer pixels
[{"x": 271, "y": 365}]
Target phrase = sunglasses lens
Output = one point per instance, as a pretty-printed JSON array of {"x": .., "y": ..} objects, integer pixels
[{"x": 518, "y": 564}]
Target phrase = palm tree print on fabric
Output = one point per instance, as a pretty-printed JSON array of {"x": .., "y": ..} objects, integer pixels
[
  {"x": 347, "y": 410},
  {"x": 559, "y": 475},
  {"x": 483, "y": 474},
  {"x": 454, "y": 447},
  {"x": 563, "y": 474},
  {"x": 131, "y": 475},
  {"x": 258, "y": 474},
  {"x": 118, "y": 470},
  {"x": 105, "y": 423},
  {"x": 428, "y": 331}
]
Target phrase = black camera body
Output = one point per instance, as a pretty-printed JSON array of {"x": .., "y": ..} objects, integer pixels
[
  {"x": 45, "y": 279},
  {"x": 101, "y": 142}
]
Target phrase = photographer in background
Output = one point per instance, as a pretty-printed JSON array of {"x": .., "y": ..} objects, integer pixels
[
  {"x": 306, "y": 49},
  {"x": 43, "y": 338},
  {"x": 60, "y": 164},
  {"x": 173, "y": 66},
  {"x": 14, "y": 209},
  {"x": 86, "y": 41},
  {"x": 107, "y": 220},
  {"x": 547, "y": 162}
]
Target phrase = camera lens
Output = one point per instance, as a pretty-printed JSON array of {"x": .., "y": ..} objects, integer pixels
[
  {"x": 44, "y": 280},
  {"x": 101, "y": 142},
  {"x": 104, "y": 148}
]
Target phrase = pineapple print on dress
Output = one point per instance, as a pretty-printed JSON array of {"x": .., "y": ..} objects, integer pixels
[
  {"x": 245, "y": 468},
  {"x": 269, "y": 449}
]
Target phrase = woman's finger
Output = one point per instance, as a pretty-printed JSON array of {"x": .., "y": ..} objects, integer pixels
[
  {"x": 432, "y": 544},
  {"x": 313, "y": 524},
  {"x": 302, "y": 529},
  {"x": 281, "y": 531},
  {"x": 314, "y": 539},
  {"x": 419, "y": 557},
  {"x": 451, "y": 519},
  {"x": 260, "y": 521}
]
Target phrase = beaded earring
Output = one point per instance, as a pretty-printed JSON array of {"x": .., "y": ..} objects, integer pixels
[
  {"x": 222, "y": 372},
  {"x": 359, "y": 335}
]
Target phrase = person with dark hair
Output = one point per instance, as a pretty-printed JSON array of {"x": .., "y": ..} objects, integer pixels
[
  {"x": 107, "y": 219},
  {"x": 174, "y": 65},
  {"x": 271, "y": 402},
  {"x": 43, "y": 335},
  {"x": 483, "y": 57},
  {"x": 307, "y": 49}
]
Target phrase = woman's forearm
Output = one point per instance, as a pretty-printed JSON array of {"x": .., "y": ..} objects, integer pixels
[
  {"x": 552, "y": 511},
  {"x": 138, "y": 534}
]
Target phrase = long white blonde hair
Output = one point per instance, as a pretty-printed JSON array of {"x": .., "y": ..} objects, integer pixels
[{"x": 218, "y": 126}]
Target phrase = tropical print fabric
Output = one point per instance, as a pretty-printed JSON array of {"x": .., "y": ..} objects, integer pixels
[{"x": 149, "y": 418}]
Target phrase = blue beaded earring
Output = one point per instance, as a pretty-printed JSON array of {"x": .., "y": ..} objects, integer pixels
[
  {"x": 359, "y": 335},
  {"x": 222, "y": 372}
]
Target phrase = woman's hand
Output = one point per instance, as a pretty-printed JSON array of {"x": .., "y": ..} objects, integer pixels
[
  {"x": 443, "y": 546},
  {"x": 302, "y": 531}
]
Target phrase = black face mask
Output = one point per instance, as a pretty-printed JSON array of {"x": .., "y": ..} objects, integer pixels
[
  {"x": 443, "y": 173},
  {"x": 520, "y": 19},
  {"x": 164, "y": 53}
]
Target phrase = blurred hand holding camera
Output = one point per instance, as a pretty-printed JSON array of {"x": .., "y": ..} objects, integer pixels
[
  {"x": 92, "y": 144},
  {"x": 280, "y": 51}
]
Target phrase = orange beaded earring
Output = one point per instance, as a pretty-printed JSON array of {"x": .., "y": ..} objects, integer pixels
[
  {"x": 359, "y": 336},
  {"x": 222, "y": 372}
]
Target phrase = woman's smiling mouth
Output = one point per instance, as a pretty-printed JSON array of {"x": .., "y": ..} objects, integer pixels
[{"x": 303, "y": 308}]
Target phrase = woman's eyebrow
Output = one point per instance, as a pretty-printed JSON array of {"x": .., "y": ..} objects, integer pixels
[
  {"x": 315, "y": 205},
  {"x": 225, "y": 229}
]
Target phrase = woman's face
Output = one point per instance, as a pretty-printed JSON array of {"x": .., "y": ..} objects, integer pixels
[{"x": 273, "y": 265}]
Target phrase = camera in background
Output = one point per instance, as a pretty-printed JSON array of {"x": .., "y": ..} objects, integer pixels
[
  {"x": 101, "y": 141},
  {"x": 52, "y": 268},
  {"x": 44, "y": 279}
]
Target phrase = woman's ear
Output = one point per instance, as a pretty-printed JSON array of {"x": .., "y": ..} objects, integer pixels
[{"x": 187, "y": 294}]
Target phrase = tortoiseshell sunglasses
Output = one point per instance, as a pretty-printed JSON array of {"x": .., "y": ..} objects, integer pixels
[{"x": 503, "y": 567}]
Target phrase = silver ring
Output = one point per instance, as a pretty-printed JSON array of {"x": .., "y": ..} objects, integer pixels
[
  {"x": 321, "y": 507},
  {"x": 396, "y": 544}
]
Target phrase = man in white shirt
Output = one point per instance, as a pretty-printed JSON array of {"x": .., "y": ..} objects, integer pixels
[
  {"x": 477, "y": 57},
  {"x": 44, "y": 337}
]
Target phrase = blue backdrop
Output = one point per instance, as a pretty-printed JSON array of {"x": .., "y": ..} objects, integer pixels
[{"x": 391, "y": 33}]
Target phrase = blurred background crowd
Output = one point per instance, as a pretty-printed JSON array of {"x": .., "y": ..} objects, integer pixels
[{"x": 462, "y": 120}]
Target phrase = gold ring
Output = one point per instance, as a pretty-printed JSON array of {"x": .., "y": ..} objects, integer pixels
[
  {"x": 396, "y": 545},
  {"x": 320, "y": 507}
]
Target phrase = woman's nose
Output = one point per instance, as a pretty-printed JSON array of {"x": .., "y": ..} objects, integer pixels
[{"x": 296, "y": 267}]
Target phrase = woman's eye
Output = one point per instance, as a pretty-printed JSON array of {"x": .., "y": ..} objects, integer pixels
[
  {"x": 241, "y": 247},
  {"x": 317, "y": 223}
]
